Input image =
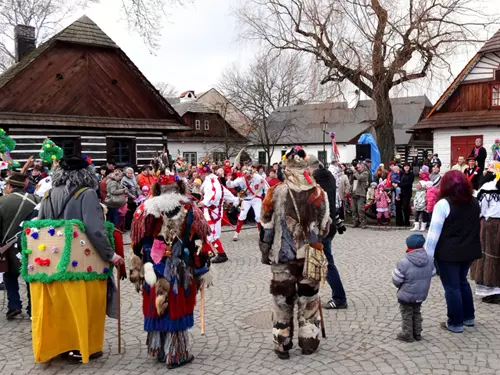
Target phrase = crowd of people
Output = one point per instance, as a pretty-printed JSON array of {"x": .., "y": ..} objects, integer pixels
[{"x": 175, "y": 212}]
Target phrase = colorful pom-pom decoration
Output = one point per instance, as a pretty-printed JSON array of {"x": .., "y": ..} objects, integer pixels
[
  {"x": 34, "y": 235},
  {"x": 75, "y": 234},
  {"x": 89, "y": 269},
  {"x": 27, "y": 231},
  {"x": 51, "y": 231},
  {"x": 54, "y": 250},
  {"x": 74, "y": 263},
  {"x": 60, "y": 233},
  {"x": 105, "y": 270},
  {"x": 41, "y": 247},
  {"x": 28, "y": 251},
  {"x": 82, "y": 242},
  {"x": 50, "y": 152},
  {"x": 87, "y": 252},
  {"x": 31, "y": 267}
]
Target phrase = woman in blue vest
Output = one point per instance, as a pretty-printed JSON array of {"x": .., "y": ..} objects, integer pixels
[{"x": 454, "y": 241}]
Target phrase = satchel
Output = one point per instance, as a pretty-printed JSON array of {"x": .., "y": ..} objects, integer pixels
[{"x": 315, "y": 262}]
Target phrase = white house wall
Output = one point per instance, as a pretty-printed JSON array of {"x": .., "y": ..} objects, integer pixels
[
  {"x": 347, "y": 152},
  {"x": 442, "y": 141}
]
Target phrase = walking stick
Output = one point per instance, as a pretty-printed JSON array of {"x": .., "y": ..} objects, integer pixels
[
  {"x": 118, "y": 310},
  {"x": 202, "y": 308},
  {"x": 323, "y": 331}
]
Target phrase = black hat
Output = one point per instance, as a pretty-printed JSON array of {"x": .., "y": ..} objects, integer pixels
[
  {"x": 73, "y": 163},
  {"x": 16, "y": 179}
]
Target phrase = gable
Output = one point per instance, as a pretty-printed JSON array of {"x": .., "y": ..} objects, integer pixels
[
  {"x": 485, "y": 68},
  {"x": 83, "y": 81}
]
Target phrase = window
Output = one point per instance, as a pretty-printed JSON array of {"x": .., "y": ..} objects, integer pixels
[
  {"x": 219, "y": 157},
  {"x": 262, "y": 158},
  {"x": 322, "y": 157},
  {"x": 495, "y": 96},
  {"x": 207, "y": 125},
  {"x": 191, "y": 157},
  {"x": 197, "y": 125},
  {"x": 121, "y": 150},
  {"x": 70, "y": 146}
]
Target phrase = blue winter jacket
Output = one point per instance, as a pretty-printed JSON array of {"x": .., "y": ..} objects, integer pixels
[{"x": 413, "y": 275}]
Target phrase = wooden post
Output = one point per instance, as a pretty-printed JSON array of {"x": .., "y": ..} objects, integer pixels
[
  {"x": 118, "y": 310},
  {"x": 202, "y": 308}
]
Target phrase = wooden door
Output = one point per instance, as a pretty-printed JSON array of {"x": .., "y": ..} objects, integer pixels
[{"x": 462, "y": 146}]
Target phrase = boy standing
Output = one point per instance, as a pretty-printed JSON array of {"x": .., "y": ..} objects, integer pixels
[{"x": 412, "y": 276}]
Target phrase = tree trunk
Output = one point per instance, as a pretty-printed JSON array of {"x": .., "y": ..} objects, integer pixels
[{"x": 384, "y": 127}]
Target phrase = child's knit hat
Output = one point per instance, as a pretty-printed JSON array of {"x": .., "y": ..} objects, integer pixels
[
  {"x": 415, "y": 241},
  {"x": 145, "y": 189},
  {"x": 374, "y": 184},
  {"x": 424, "y": 169}
]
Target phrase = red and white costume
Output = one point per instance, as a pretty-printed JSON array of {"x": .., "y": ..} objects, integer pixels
[
  {"x": 254, "y": 190},
  {"x": 213, "y": 197}
]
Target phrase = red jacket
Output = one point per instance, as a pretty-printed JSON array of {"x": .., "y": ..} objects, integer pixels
[
  {"x": 119, "y": 249},
  {"x": 431, "y": 196}
]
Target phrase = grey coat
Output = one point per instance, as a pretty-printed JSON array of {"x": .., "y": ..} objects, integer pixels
[
  {"x": 84, "y": 207},
  {"x": 413, "y": 275},
  {"x": 362, "y": 184},
  {"x": 131, "y": 185}
]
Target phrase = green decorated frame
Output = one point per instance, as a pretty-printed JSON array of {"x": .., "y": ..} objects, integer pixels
[{"x": 65, "y": 259}]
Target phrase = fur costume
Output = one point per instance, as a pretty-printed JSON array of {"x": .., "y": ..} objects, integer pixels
[
  {"x": 295, "y": 213},
  {"x": 170, "y": 260}
]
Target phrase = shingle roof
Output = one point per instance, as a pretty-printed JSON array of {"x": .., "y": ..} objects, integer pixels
[
  {"x": 82, "y": 31},
  {"x": 460, "y": 119},
  {"x": 305, "y": 126},
  {"x": 492, "y": 45},
  {"x": 192, "y": 107}
]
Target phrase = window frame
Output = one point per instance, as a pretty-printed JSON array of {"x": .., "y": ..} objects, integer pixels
[
  {"x": 321, "y": 158},
  {"x": 197, "y": 125},
  {"x": 77, "y": 144},
  {"x": 218, "y": 156},
  {"x": 206, "y": 125},
  {"x": 262, "y": 153},
  {"x": 110, "y": 145},
  {"x": 187, "y": 159},
  {"x": 492, "y": 88}
]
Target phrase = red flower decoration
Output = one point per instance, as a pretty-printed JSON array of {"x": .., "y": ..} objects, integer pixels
[
  {"x": 87, "y": 252},
  {"x": 89, "y": 269},
  {"x": 27, "y": 231}
]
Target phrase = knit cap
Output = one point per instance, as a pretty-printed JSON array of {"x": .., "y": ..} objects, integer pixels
[
  {"x": 425, "y": 168},
  {"x": 415, "y": 241},
  {"x": 374, "y": 184}
]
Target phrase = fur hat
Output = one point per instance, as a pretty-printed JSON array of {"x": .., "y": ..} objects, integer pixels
[
  {"x": 73, "y": 163},
  {"x": 313, "y": 161},
  {"x": 16, "y": 179},
  {"x": 415, "y": 241},
  {"x": 296, "y": 157}
]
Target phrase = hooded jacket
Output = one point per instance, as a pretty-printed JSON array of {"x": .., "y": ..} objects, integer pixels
[
  {"x": 420, "y": 201},
  {"x": 413, "y": 275}
]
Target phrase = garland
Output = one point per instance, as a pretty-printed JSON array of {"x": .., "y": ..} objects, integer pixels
[
  {"x": 63, "y": 274},
  {"x": 50, "y": 152}
]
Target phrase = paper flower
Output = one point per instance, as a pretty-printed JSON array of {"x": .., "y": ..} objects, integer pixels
[
  {"x": 28, "y": 251},
  {"x": 31, "y": 267},
  {"x": 54, "y": 250},
  {"x": 34, "y": 235},
  {"x": 105, "y": 270},
  {"x": 74, "y": 263},
  {"x": 50, "y": 152},
  {"x": 59, "y": 233},
  {"x": 51, "y": 231},
  {"x": 41, "y": 247},
  {"x": 89, "y": 269},
  {"x": 27, "y": 231},
  {"x": 75, "y": 234},
  {"x": 87, "y": 252}
]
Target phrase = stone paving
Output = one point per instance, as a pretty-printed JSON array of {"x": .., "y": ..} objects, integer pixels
[{"x": 361, "y": 340}]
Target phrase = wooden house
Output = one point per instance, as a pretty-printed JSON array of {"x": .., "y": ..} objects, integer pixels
[
  {"x": 469, "y": 108},
  {"x": 80, "y": 89}
]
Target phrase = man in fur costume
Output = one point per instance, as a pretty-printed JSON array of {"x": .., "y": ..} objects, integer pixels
[
  {"x": 295, "y": 220},
  {"x": 175, "y": 258},
  {"x": 214, "y": 195},
  {"x": 252, "y": 187}
]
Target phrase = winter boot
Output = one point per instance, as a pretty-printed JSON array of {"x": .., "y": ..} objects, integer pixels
[
  {"x": 423, "y": 226},
  {"x": 416, "y": 227},
  {"x": 406, "y": 333}
]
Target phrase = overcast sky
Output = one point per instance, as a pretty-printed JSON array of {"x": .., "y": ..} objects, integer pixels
[{"x": 201, "y": 39}]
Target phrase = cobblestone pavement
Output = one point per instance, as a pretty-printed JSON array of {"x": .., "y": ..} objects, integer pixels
[{"x": 361, "y": 340}]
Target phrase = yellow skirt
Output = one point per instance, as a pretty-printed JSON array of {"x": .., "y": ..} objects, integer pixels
[{"x": 67, "y": 315}]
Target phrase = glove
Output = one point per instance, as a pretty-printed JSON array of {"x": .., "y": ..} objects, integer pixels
[{"x": 340, "y": 224}]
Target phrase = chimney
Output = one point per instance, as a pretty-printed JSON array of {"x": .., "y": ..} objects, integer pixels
[{"x": 25, "y": 39}]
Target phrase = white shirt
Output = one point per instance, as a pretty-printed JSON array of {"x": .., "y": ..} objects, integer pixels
[
  {"x": 488, "y": 197},
  {"x": 254, "y": 188}
]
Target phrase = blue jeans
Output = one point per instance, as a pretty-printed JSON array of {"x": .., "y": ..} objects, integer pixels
[
  {"x": 12, "y": 288},
  {"x": 113, "y": 216},
  {"x": 458, "y": 294},
  {"x": 333, "y": 277}
]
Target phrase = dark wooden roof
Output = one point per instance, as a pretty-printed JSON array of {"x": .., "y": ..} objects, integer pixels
[
  {"x": 492, "y": 45},
  {"x": 460, "y": 119},
  {"x": 44, "y": 120}
]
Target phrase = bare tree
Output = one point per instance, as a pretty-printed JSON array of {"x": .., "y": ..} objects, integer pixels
[
  {"x": 167, "y": 90},
  {"x": 145, "y": 17},
  {"x": 375, "y": 45},
  {"x": 272, "y": 81}
]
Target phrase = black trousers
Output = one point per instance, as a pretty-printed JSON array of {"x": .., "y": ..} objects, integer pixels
[
  {"x": 131, "y": 206},
  {"x": 403, "y": 209}
]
